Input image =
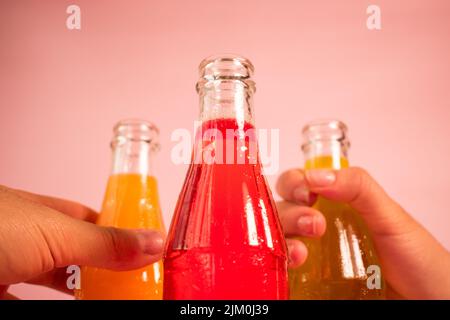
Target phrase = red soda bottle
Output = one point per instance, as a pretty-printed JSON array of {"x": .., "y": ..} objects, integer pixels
[{"x": 225, "y": 240}]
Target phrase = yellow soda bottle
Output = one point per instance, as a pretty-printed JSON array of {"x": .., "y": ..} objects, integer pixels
[
  {"x": 343, "y": 263},
  {"x": 131, "y": 201}
]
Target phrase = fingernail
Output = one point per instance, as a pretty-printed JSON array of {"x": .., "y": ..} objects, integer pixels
[
  {"x": 321, "y": 178},
  {"x": 307, "y": 225},
  {"x": 301, "y": 195},
  {"x": 151, "y": 241}
]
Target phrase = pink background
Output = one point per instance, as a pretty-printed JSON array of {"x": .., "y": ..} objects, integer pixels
[{"x": 61, "y": 91}]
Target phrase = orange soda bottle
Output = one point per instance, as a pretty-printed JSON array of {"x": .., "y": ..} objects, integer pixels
[
  {"x": 131, "y": 201},
  {"x": 342, "y": 264}
]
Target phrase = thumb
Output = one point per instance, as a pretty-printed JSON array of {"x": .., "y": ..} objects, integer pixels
[
  {"x": 357, "y": 188},
  {"x": 36, "y": 239},
  {"x": 79, "y": 242}
]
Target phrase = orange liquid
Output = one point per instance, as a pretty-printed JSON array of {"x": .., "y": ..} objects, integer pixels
[
  {"x": 131, "y": 202},
  {"x": 336, "y": 267}
]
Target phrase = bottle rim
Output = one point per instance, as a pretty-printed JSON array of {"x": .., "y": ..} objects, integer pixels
[
  {"x": 225, "y": 71},
  {"x": 135, "y": 130},
  {"x": 230, "y": 60},
  {"x": 331, "y": 123}
]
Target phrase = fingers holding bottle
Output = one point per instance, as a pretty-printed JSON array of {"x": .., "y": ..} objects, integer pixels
[
  {"x": 296, "y": 217},
  {"x": 407, "y": 251},
  {"x": 37, "y": 239}
]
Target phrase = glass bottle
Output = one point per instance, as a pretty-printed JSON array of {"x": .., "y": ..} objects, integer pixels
[
  {"x": 131, "y": 201},
  {"x": 225, "y": 240},
  {"x": 338, "y": 263}
]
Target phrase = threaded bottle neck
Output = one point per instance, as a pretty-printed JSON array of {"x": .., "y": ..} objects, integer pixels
[
  {"x": 134, "y": 144},
  {"x": 225, "y": 88}
]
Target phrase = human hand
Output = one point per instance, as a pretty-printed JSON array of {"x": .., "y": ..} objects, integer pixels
[
  {"x": 40, "y": 236},
  {"x": 415, "y": 265}
]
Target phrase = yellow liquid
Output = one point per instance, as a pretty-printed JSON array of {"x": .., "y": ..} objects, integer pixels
[
  {"x": 336, "y": 267},
  {"x": 131, "y": 202}
]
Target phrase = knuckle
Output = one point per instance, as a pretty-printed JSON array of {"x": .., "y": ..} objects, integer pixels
[
  {"x": 364, "y": 177},
  {"x": 114, "y": 243},
  {"x": 360, "y": 172},
  {"x": 287, "y": 180},
  {"x": 362, "y": 182},
  {"x": 281, "y": 182},
  {"x": 281, "y": 208},
  {"x": 121, "y": 251}
]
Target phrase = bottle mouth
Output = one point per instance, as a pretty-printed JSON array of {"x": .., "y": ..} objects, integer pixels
[
  {"x": 225, "y": 68},
  {"x": 325, "y": 131},
  {"x": 135, "y": 130}
]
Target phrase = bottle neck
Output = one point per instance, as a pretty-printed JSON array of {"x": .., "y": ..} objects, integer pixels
[
  {"x": 227, "y": 134},
  {"x": 325, "y": 145},
  {"x": 132, "y": 157},
  {"x": 225, "y": 89},
  {"x": 226, "y": 99},
  {"x": 133, "y": 145}
]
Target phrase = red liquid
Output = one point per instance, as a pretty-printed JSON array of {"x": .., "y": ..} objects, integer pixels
[{"x": 225, "y": 241}]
